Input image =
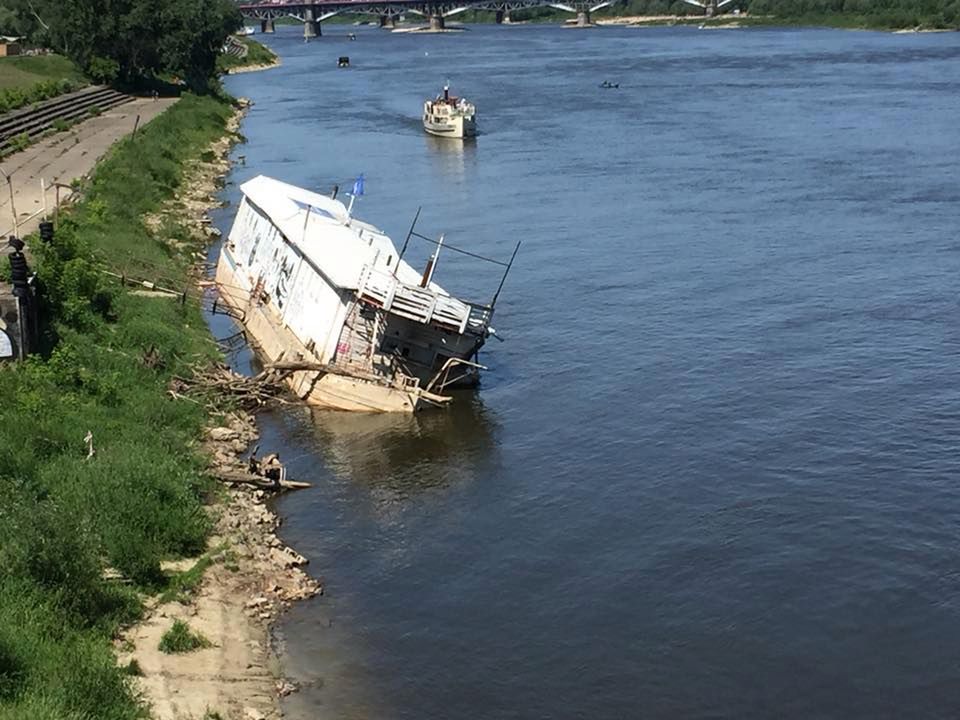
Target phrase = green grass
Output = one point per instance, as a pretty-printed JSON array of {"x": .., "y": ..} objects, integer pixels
[
  {"x": 182, "y": 585},
  {"x": 181, "y": 639},
  {"x": 29, "y": 80},
  {"x": 140, "y": 499},
  {"x": 25, "y": 71},
  {"x": 257, "y": 54}
]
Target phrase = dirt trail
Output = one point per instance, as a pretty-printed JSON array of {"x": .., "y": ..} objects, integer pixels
[{"x": 66, "y": 156}]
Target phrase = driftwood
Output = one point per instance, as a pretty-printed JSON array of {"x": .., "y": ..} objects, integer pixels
[
  {"x": 213, "y": 383},
  {"x": 236, "y": 475}
]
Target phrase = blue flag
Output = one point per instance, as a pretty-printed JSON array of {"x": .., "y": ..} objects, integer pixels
[{"x": 358, "y": 186}]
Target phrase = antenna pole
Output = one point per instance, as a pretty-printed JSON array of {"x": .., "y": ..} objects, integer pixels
[
  {"x": 433, "y": 262},
  {"x": 303, "y": 235},
  {"x": 409, "y": 234},
  {"x": 506, "y": 272}
]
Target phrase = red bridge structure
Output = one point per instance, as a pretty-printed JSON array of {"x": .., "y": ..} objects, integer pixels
[{"x": 313, "y": 12}]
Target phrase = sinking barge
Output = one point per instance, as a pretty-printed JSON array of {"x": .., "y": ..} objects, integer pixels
[{"x": 328, "y": 297}]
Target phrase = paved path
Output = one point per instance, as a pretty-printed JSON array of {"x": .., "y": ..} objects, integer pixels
[{"x": 64, "y": 157}]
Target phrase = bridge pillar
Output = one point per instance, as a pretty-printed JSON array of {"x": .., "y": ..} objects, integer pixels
[
  {"x": 266, "y": 26},
  {"x": 503, "y": 16},
  {"x": 382, "y": 21},
  {"x": 437, "y": 22},
  {"x": 311, "y": 28},
  {"x": 583, "y": 18}
]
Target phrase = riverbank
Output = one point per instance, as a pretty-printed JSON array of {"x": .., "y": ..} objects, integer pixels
[
  {"x": 105, "y": 472},
  {"x": 759, "y": 21},
  {"x": 245, "y": 578},
  {"x": 257, "y": 57}
]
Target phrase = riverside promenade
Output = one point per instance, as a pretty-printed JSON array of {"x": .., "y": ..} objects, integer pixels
[{"x": 63, "y": 158}]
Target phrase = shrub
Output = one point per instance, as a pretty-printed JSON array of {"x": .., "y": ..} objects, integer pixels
[
  {"x": 20, "y": 142},
  {"x": 181, "y": 639},
  {"x": 15, "y": 98},
  {"x": 103, "y": 70}
]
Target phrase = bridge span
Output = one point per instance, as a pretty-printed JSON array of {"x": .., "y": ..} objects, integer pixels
[{"x": 313, "y": 12}]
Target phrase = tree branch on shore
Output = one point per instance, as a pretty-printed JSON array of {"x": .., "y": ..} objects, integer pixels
[{"x": 216, "y": 384}]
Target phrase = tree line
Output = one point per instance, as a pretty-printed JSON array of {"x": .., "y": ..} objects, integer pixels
[
  {"x": 868, "y": 13},
  {"x": 129, "y": 41},
  {"x": 878, "y": 13}
]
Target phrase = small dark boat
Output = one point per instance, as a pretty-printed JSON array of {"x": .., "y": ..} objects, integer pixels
[
  {"x": 343, "y": 61},
  {"x": 606, "y": 84}
]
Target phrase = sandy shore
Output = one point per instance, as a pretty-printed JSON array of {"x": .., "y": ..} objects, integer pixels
[
  {"x": 718, "y": 21},
  {"x": 910, "y": 31},
  {"x": 252, "y": 576},
  {"x": 644, "y": 19},
  {"x": 427, "y": 30},
  {"x": 253, "y": 68}
]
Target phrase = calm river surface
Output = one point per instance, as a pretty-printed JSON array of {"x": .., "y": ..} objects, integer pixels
[{"x": 714, "y": 470}]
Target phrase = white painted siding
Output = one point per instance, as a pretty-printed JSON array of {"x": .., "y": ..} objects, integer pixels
[{"x": 314, "y": 311}]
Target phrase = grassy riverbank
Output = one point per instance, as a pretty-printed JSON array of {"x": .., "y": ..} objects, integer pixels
[
  {"x": 24, "y": 71},
  {"x": 258, "y": 56},
  {"x": 81, "y": 538}
]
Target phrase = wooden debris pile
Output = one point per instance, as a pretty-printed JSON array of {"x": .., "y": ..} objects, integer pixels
[{"x": 212, "y": 384}]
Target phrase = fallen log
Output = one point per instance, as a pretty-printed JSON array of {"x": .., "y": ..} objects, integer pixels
[{"x": 245, "y": 478}]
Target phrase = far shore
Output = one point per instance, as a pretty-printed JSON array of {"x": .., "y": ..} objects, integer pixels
[{"x": 254, "y": 68}]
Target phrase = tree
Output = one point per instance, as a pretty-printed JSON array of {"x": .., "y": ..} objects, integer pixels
[
  {"x": 191, "y": 36},
  {"x": 132, "y": 40}
]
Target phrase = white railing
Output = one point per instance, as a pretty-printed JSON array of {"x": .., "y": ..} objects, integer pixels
[{"x": 420, "y": 304}]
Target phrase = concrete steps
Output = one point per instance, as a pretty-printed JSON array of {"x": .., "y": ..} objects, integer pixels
[{"x": 35, "y": 121}]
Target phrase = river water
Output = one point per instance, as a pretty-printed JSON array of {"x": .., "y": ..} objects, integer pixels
[{"x": 713, "y": 469}]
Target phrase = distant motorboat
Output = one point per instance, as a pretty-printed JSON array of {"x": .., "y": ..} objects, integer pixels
[
  {"x": 449, "y": 116},
  {"x": 607, "y": 85}
]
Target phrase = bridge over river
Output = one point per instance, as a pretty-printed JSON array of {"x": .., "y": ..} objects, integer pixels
[{"x": 313, "y": 12}]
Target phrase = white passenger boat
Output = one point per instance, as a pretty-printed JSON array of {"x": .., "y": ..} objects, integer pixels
[
  {"x": 327, "y": 298},
  {"x": 449, "y": 116}
]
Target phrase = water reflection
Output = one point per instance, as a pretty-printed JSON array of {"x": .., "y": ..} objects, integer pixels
[
  {"x": 451, "y": 156},
  {"x": 397, "y": 455}
]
